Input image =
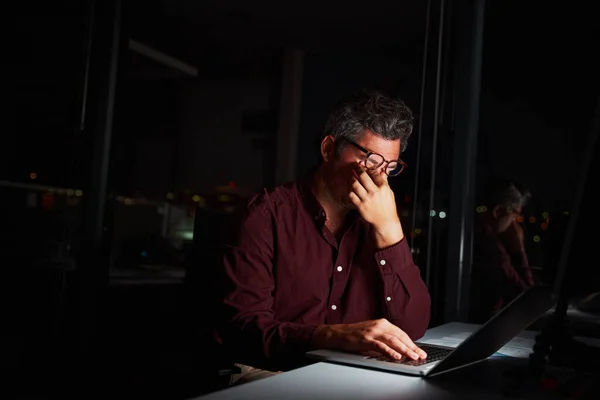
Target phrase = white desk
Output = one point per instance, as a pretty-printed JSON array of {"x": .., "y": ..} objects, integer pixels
[{"x": 332, "y": 381}]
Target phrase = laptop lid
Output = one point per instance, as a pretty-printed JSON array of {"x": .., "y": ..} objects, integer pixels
[{"x": 500, "y": 329}]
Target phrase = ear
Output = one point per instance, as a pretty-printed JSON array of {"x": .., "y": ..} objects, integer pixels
[{"x": 328, "y": 148}]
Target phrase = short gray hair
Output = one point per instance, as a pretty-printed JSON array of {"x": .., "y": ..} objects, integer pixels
[
  {"x": 510, "y": 195},
  {"x": 388, "y": 118}
]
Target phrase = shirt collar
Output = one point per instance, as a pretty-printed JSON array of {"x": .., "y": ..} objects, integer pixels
[
  {"x": 312, "y": 205},
  {"x": 309, "y": 198}
]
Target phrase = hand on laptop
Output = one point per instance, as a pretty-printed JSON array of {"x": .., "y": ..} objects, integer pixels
[{"x": 378, "y": 335}]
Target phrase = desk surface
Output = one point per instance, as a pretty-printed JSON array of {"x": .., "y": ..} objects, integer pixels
[{"x": 333, "y": 381}]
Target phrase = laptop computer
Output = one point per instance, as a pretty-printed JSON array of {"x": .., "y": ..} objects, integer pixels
[{"x": 481, "y": 344}]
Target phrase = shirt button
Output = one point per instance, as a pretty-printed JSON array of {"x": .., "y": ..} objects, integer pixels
[
  {"x": 333, "y": 307},
  {"x": 339, "y": 268},
  {"x": 388, "y": 298},
  {"x": 382, "y": 262}
]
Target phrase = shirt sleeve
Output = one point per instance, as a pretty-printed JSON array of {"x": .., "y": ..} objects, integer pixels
[
  {"x": 520, "y": 263},
  {"x": 248, "y": 329},
  {"x": 502, "y": 273},
  {"x": 515, "y": 272},
  {"x": 406, "y": 297}
]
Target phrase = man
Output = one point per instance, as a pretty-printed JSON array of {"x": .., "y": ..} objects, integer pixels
[
  {"x": 323, "y": 262},
  {"x": 500, "y": 266}
]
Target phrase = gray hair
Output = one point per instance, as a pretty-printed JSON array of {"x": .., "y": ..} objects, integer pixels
[
  {"x": 386, "y": 117},
  {"x": 510, "y": 196}
]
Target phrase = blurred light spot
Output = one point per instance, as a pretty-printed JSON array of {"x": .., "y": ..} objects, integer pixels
[
  {"x": 536, "y": 239},
  {"x": 144, "y": 253},
  {"x": 566, "y": 213},
  {"x": 48, "y": 200},
  {"x": 442, "y": 214},
  {"x": 231, "y": 184},
  {"x": 78, "y": 193},
  {"x": 532, "y": 220},
  {"x": 418, "y": 231},
  {"x": 412, "y": 235},
  {"x": 545, "y": 215},
  {"x": 520, "y": 218},
  {"x": 196, "y": 198},
  {"x": 128, "y": 202},
  {"x": 186, "y": 235},
  {"x": 544, "y": 226},
  {"x": 170, "y": 196},
  {"x": 33, "y": 176},
  {"x": 224, "y": 198},
  {"x": 432, "y": 213},
  {"x": 405, "y": 213},
  {"x": 481, "y": 209},
  {"x": 407, "y": 198}
]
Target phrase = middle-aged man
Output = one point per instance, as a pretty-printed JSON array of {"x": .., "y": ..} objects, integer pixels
[
  {"x": 500, "y": 270},
  {"x": 323, "y": 262}
]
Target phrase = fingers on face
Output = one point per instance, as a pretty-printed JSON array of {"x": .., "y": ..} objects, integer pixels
[
  {"x": 354, "y": 199},
  {"x": 359, "y": 190},
  {"x": 366, "y": 179},
  {"x": 379, "y": 178},
  {"x": 370, "y": 179}
]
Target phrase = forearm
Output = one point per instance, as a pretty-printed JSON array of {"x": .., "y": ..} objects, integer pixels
[
  {"x": 415, "y": 316},
  {"x": 521, "y": 265},
  {"x": 267, "y": 343},
  {"x": 409, "y": 304}
]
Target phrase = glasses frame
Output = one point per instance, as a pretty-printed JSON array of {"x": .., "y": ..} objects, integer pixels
[{"x": 386, "y": 162}]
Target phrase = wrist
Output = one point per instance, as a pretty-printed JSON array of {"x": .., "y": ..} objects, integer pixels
[
  {"x": 388, "y": 235},
  {"x": 321, "y": 337}
]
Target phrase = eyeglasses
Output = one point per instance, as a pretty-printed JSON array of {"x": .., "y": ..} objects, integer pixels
[{"x": 375, "y": 161}]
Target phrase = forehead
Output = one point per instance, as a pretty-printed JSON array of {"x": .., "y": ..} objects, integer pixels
[{"x": 389, "y": 149}]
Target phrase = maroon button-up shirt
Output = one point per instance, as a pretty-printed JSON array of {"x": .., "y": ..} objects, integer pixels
[
  {"x": 497, "y": 276},
  {"x": 285, "y": 273}
]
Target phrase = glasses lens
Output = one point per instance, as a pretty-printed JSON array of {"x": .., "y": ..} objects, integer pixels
[
  {"x": 374, "y": 161},
  {"x": 394, "y": 168}
]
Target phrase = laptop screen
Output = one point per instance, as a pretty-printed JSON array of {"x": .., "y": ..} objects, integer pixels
[{"x": 500, "y": 329}]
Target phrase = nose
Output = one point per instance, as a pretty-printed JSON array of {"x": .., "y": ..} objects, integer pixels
[{"x": 384, "y": 167}]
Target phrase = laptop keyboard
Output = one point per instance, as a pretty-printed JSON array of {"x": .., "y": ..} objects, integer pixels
[{"x": 433, "y": 354}]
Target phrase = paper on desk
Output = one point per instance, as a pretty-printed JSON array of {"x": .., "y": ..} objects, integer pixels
[
  {"x": 461, "y": 335},
  {"x": 517, "y": 347}
]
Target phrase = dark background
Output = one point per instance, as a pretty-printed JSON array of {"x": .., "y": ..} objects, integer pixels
[{"x": 181, "y": 142}]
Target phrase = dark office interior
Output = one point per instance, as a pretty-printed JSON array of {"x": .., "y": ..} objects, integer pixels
[{"x": 136, "y": 128}]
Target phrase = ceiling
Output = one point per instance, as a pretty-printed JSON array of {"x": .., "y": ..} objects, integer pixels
[{"x": 236, "y": 32}]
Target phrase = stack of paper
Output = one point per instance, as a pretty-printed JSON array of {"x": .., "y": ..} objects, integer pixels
[{"x": 517, "y": 347}]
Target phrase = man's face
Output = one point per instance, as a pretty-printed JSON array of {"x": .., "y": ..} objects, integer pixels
[{"x": 339, "y": 169}]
